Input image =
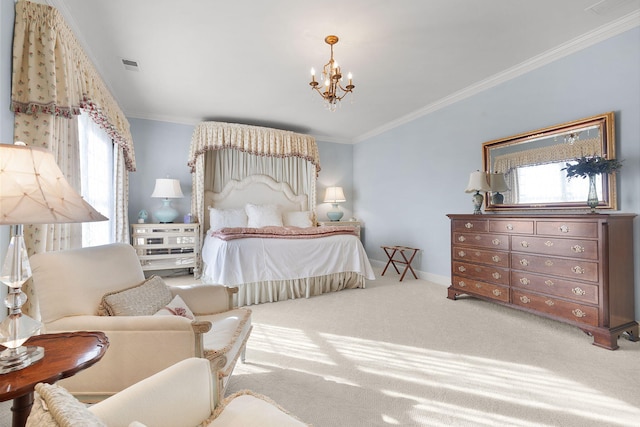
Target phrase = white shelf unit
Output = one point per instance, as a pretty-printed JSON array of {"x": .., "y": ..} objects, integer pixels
[{"x": 167, "y": 246}]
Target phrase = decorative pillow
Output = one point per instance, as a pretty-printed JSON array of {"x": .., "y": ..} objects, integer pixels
[
  {"x": 221, "y": 218},
  {"x": 54, "y": 406},
  {"x": 144, "y": 299},
  {"x": 297, "y": 219},
  {"x": 177, "y": 307},
  {"x": 263, "y": 215}
]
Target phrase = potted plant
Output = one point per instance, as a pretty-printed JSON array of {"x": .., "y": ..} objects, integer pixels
[{"x": 590, "y": 167}]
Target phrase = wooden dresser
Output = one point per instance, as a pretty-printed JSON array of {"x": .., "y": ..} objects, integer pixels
[{"x": 577, "y": 269}]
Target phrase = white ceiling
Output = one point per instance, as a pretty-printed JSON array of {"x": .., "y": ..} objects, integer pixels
[{"x": 248, "y": 61}]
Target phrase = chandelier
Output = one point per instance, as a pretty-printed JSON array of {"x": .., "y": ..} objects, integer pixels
[{"x": 332, "y": 90}]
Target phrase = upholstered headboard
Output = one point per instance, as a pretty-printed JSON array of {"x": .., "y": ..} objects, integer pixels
[{"x": 257, "y": 189}]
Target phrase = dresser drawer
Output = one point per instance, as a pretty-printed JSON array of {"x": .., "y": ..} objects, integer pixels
[
  {"x": 586, "y": 249},
  {"x": 494, "y": 241},
  {"x": 567, "y": 310},
  {"x": 496, "y": 258},
  {"x": 507, "y": 226},
  {"x": 576, "y": 291},
  {"x": 490, "y": 290},
  {"x": 481, "y": 272},
  {"x": 469, "y": 225},
  {"x": 570, "y": 268},
  {"x": 567, "y": 228}
]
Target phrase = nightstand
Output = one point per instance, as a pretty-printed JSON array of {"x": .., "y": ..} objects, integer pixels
[
  {"x": 167, "y": 246},
  {"x": 356, "y": 224}
]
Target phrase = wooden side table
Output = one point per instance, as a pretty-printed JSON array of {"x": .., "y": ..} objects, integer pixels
[
  {"x": 65, "y": 354},
  {"x": 391, "y": 253}
]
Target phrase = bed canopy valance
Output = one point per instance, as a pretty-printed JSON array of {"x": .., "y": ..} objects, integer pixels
[{"x": 221, "y": 152}]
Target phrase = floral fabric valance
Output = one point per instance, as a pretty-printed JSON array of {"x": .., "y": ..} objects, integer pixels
[
  {"x": 52, "y": 75},
  {"x": 256, "y": 140}
]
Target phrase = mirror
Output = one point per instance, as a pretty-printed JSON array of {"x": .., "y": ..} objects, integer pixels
[{"x": 532, "y": 164}]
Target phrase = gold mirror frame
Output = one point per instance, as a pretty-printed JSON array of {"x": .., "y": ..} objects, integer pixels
[{"x": 552, "y": 146}]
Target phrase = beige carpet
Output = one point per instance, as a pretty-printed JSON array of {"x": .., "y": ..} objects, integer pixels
[{"x": 401, "y": 354}]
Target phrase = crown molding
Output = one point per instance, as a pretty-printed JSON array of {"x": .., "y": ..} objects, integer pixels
[{"x": 602, "y": 33}]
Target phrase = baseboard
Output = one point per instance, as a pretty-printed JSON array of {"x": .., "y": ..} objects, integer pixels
[{"x": 430, "y": 277}]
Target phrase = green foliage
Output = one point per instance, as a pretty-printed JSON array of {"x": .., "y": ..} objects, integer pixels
[{"x": 587, "y": 166}]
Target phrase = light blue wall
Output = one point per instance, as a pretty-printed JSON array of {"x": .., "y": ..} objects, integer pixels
[
  {"x": 163, "y": 148},
  {"x": 410, "y": 177}
]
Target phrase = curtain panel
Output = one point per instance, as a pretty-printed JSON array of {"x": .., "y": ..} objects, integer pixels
[{"x": 52, "y": 75}]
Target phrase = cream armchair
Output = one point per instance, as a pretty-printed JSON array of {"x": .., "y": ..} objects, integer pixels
[
  {"x": 179, "y": 396},
  {"x": 69, "y": 286}
]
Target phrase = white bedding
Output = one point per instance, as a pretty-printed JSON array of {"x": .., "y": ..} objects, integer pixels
[{"x": 251, "y": 260}]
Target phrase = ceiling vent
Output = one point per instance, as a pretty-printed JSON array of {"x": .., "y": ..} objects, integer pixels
[
  {"x": 605, "y": 6},
  {"x": 130, "y": 64}
]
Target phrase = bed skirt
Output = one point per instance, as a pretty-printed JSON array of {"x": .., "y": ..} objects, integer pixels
[{"x": 280, "y": 290}]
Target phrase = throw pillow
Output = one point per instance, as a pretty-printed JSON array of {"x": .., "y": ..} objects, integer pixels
[
  {"x": 222, "y": 218},
  {"x": 177, "y": 307},
  {"x": 297, "y": 219},
  {"x": 144, "y": 299},
  {"x": 263, "y": 215},
  {"x": 54, "y": 406}
]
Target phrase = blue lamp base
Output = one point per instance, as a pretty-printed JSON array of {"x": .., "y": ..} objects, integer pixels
[
  {"x": 166, "y": 214},
  {"x": 335, "y": 214}
]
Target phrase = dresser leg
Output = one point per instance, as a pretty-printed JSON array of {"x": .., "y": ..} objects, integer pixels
[
  {"x": 631, "y": 333},
  {"x": 452, "y": 293},
  {"x": 605, "y": 340}
]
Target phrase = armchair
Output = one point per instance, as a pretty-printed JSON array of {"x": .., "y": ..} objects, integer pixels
[
  {"x": 179, "y": 396},
  {"x": 69, "y": 286}
]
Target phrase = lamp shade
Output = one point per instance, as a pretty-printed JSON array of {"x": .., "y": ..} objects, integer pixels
[
  {"x": 498, "y": 183},
  {"x": 33, "y": 189},
  {"x": 334, "y": 195},
  {"x": 167, "y": 189},
  {"x": 478, "y": 181}
]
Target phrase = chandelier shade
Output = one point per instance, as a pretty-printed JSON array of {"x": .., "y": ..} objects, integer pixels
[{"x": 331, "y": 89}]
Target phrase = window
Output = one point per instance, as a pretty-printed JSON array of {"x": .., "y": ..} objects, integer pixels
[{"x": 97, "y": 180}]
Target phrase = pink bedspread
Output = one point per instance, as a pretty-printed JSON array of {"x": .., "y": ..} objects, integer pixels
[{"x": 231, "y": 233}]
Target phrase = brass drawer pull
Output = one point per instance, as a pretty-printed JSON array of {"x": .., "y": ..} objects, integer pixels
[
  {"x": 496, "y": 242},
  {"x": 548, "y": 263},
  {"x": 548, "y": 243},
  {"x": 462, "y": 284},
  {"x": 524, "y": 244},
  {"x": 496, "y": 275},
  {"x": 564, "y": 228},
  {"x": 462, "y": 269},
  {"x": 525, "y": 299},
  {"x": 550, "y": 303},
  {"x": 477, "y": 253},
  {"x": 462, "y": 254},
  {"x": 478, "y": 237},
  {"x": 578, "y": 313},
  {"x": 495, "y": 258},
  {"x": 461, "y": 239},
  {"x": 497, "y": 292},
  {"x": 577, "y": 269},
  {"x": 578, "y": 291},
  {"x": 478, "y": 285},
  {"x": 525, "y": 281},
  {"x": 549, "y": 282},
  {"x": 509, "y": 227},
  {"x": 577, "y": 249},
  {"x": 468, "y": 225},
  {"x": 524, "y": 262}
]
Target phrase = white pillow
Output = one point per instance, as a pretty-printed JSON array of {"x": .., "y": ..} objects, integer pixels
[
  {"x": 263, "y": 215},
  {"x": 177, "y": 307},
  {"x": 297, "y": 219},
  {"x": 221, "y": 218}
]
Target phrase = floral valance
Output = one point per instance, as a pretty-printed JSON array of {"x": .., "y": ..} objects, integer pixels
[
  {"x": 53, "y": 75},
  {"x": 551, "y": 154},
  {"x": 256, "y": 140}
]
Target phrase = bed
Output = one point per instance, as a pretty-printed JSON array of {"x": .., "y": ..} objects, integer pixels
[{"x": 293, "y": 259}]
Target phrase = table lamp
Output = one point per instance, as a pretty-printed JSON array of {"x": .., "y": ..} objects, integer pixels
[
  {"x": 33, "y": 190},
  {"x": 478, "y": 182},
  {"x": 166, "y": 189},
  {"x": 334, "y": 195},
  {"x": 498, "y": 184}
]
